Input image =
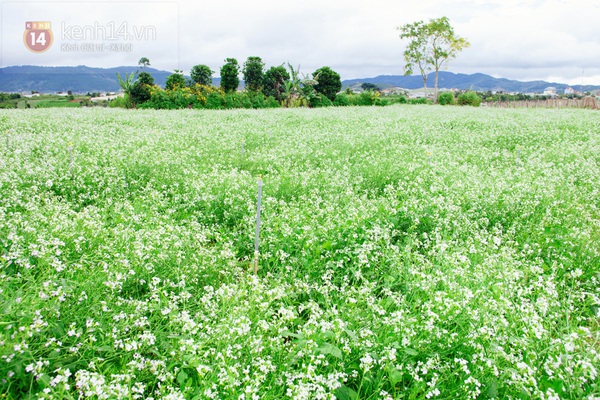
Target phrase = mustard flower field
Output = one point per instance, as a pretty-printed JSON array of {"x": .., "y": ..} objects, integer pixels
[{"x": 406, "y": 252}]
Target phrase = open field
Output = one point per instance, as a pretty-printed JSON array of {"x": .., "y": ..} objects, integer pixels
[{"x": 406, "y": 252}]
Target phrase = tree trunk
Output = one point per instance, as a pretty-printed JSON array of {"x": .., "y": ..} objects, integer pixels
[{"x": 435, "y": 90}]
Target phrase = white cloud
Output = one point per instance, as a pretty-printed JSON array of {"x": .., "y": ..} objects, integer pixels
[{"x": 518, "y": 39}]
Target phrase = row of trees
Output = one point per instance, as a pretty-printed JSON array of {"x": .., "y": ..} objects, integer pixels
[{"x": 287, "y": 86}]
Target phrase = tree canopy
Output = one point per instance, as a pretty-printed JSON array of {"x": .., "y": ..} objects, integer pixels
[
  {"x": 201, "y": 74},
  {"x": 144, "y": 62},
  {"x": 175, "y": 80},
  {"x": 229, "y": 75},
  {"x": 329, "y": 82},
  {"x": 274, "y": 82},
  {"x": 253, "y": 73}
]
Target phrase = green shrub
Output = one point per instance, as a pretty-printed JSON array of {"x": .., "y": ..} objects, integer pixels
[
  {"x": 120, "y": 102},
  {"x": 341, "y": 100},
  {"x": 258, "y": 101},
  {"x": 215, "y": 101},
  {"x": 367, "y": 98},
  {"x": 320, "y": 101},
  {"x": 399, "y": 100},
  {"x": 420, "y": 100},
  {"x": 469, "y": 98},
  {"x": 446, "y": 98},
  {"x": 271, "y": 102},
  {"x": 232, "y": 100}
]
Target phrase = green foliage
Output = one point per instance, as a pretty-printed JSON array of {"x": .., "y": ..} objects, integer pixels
[
  {"x": 446, "y": 98},
  {"x": 201, "y": 74},
  {"x": 175, "y": 80},
  {"x": 274, "y": 82},
  {"x": 141, "y": 90},
  {"x": 253, "y": 73},
  {"x": 120, "y": 102},
  {"x": 469, "y": 98},
  {"x": 399, "y": 99},
  {"x": 366, "y": 98},
  {"x": 215, "y": 101},
  {"x": 329, "y": 82},
  {"x": 144, "y": 78},
  {"x": 320, "y": 100},
  {"x": 144, "y": 62},
  {"x": 205, "y": 96},
  {"x": 127, "y": 85},
  {"x": 370, "y": 86},
  {"x": 229, "y": 75},
  {"x": 420, "y": 100},
  {"x": 341, "y": 100},
  {"x": 430, "y": 45},
  {"x": 271, "y": 102},
  {"x": 405, "y": 253}
]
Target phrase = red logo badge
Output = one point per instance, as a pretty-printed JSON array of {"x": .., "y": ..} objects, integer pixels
[{"x": 38, "y": 36}]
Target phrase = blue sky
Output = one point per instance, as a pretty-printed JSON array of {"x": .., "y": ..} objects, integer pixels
[{"x": 553, "y": 40}]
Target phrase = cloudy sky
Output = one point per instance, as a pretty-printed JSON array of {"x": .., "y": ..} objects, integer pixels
[{"x": 554, "y": 40}]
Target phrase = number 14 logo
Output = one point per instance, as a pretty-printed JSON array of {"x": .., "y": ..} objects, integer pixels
[{"x": 38, "y": 36}]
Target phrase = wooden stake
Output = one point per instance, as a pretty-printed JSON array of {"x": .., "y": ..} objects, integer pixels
[{"x": 256, "y": 238}]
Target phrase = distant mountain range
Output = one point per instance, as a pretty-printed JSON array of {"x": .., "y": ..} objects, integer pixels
[
  {"x": 479, "y": 82},
  {"x": 79, "y": 79},
  {"x": 82, "y": 79}
]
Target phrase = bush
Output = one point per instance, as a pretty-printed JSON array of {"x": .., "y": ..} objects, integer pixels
[
  {"x": 341, "y": 100},
  {"x": 469, "y": 98},
  {"x": 232, "y": 100},
  {"x": 120, "y": 102},
  {"x": 271, "y": 102},
  {"x": 446, "y": 98},
  {"x": 366, "y": 98},
  {"x": 399, "y": 100},
  {"x": 320, "y": 101},
  {"x": 258, "y": 101},
  {"x": 215, "y": 101},
  {"x": 420, "y": 100}
]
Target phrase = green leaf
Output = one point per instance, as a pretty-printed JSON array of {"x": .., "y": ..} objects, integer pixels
[
  {"x": 411, "y": 352},
  {"x": 182, "y": 378},
  {"x": 328, "y": 348},
  {"x": 492, "y": 390},
  {"x": 345, "y": 393},
  {"x": 395, "y": 376}
]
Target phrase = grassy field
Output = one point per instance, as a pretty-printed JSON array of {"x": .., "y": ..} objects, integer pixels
[{"x": 406, "y": 252}]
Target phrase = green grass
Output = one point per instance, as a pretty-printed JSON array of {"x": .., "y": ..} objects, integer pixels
[
  {"x": 406, "y": 252},
  {"x": 53, "y": 103}
]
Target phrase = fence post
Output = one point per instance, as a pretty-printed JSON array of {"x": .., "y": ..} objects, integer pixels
[{"x": 257, "y": 235}]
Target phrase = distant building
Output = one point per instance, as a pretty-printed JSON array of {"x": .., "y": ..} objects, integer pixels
[
  {"x": 570, "y": 90},
  {"x": 394, "y": 90},
  {"x": 550, "y": 91}
]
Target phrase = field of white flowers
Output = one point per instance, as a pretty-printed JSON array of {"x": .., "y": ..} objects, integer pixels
[{"x": 406, "y": 252}]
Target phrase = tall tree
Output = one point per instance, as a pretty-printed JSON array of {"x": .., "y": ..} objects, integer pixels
[
  {"x": 274, "y": 81},
  {"x": 329, "y": 82},
  {"x": 430, "y": 46},
  {"x": 175, "y": 80},
  {"x": 229, "y": 75},
  {"x": 140, "y": 92},
  {"x": 201, "y": 74},
  {"x": 144, "y": 62},
  {"x": 253, "y": 73}
]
